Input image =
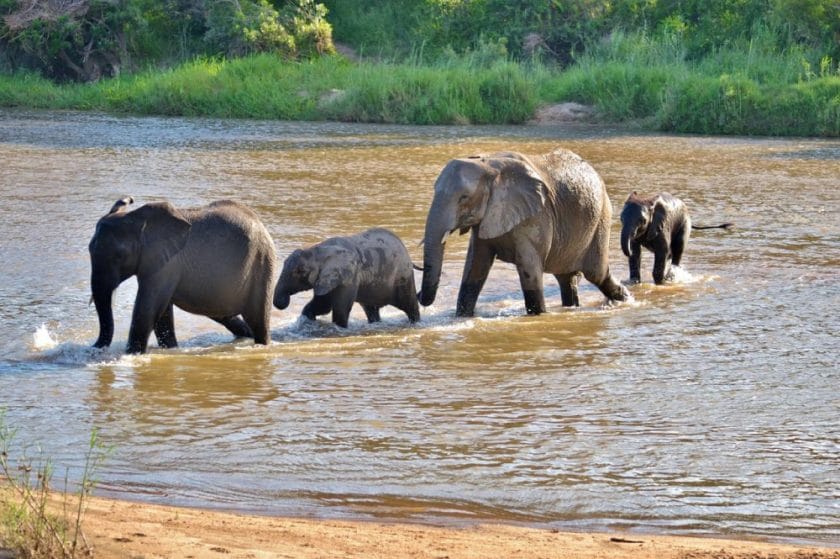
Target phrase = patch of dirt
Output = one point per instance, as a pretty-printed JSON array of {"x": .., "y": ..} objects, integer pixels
[
  {"x": 180, "y": 532},
  {"x": 563, "y": 112}
]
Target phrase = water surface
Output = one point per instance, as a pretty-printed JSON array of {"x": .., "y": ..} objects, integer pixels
[{"x": 708, "y": 406}]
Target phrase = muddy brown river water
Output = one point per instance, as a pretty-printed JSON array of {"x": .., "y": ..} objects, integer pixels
[{"x": 707, "y": 406}]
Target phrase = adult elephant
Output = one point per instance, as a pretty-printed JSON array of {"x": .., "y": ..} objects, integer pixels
[
  {"x": 217, "y": 261},
  {"x": 549, "y": 213}
]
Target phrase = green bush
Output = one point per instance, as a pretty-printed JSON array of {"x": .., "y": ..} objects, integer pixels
[
  {"x": 452, "y": 94},
  {"x": 86, "y": 40},
  {"x": 738, "y": 105}
]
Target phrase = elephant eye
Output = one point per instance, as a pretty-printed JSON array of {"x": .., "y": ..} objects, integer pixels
[{"x": 463, "y": 197}]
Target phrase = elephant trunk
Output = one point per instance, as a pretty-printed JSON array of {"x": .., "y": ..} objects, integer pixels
[
  {"x": 626, "y": 234},
  {"x": 438, "y": 226},
  {"x": 102, "y": 295},
  {"x": 282, "y": 294},
  {"x": 281, "y": 300}
]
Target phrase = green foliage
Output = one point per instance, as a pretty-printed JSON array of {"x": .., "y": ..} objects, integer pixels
[
  {"x": 84, "y": 40},
  {"x": 738, "y": 105},
  {"x": 561, "y": 31},
  {"x": 28, "y": 524},
  {"x": 742, "y": 67},
  {"x": 453, "y": 94}
]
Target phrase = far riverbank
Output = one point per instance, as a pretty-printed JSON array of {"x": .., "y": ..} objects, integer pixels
[{"x": 656, "y": 93}]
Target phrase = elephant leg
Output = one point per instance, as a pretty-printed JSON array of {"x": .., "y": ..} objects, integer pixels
[
  {"x": 320, "y": 304},
  {"x": 569, "y": 288},
  {"x": 372, "y": 313},
  {"x": 236, "y": 326},
  {"x": 612, "y": 289},
  {"x": 678, "y": 244},
  {"x": 165, "y": 329},
  {"x": 479, "y": 260},
  {"x": 635, "y": 262},
  {"x": 530, "y": 271},
  {"x": 661, "y": 265},
  {"x": 150, "y": 305},
  {"x": 343, "y": 298},
  {"x": 406, "y": 300},
  {"x": 257, "y": 315}
]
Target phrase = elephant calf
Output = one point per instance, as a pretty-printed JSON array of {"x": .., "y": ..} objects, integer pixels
[
  {"x": 662, "y": 225},
  {"x": 217, "y": 261},
  {"x": 372, "y": 268}
]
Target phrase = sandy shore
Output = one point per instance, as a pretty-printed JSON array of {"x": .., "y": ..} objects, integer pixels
[{"x": 122, "y": 529}]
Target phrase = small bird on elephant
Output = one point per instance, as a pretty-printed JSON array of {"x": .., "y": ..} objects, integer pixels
[{"x": 661, "y": 224}]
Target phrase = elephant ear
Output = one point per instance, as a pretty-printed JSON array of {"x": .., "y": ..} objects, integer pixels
[
  {"x": 338, "y": 268},
  {"x": 517, "y": 193},
  {"x": 659, "y": 214},
  {"x": 163, "y": 234}
]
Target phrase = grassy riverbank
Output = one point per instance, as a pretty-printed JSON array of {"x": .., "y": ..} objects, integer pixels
[{"x": 748, "y": 92}]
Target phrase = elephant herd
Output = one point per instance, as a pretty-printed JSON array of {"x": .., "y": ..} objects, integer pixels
[{"x": 545, "y": 214}]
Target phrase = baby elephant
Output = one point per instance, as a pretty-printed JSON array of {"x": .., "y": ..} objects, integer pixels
[
  {"x": 372, "y": 268},
  {"x": 662, "y": 225}
]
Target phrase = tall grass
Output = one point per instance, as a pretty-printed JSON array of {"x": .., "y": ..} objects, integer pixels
[
  {"x": 32, "y": 523},
  {"x": 747, "y": 88},
  {"x": 267, "y": 87}
]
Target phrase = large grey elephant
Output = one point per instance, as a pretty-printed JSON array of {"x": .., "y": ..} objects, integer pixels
[
  {"x": 661, "y": 224},
  {"x": 372, "y": 268},
  {"x": 217, "y": 261},
  {"x": 548, "y": 213}
]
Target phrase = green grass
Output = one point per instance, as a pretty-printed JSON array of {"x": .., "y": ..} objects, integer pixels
[
  {"x": 34, "y": 524},
  {"x": 748, "y": 89},
  {"x": 267, "y": 87}
]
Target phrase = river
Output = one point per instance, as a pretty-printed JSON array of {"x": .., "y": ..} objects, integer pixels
[{"x": 707, "y": 406}]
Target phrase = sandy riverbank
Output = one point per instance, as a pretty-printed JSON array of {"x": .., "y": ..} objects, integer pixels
[{"x": 121, "y": 529}]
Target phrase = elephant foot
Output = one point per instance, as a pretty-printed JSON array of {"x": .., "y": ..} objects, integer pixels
[
  {"x": 614, "y": 291},
  {"x": 534, "y": 301}
]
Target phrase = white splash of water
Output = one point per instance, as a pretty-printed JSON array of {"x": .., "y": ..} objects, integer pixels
[
  {"x": 42, "y": 339},
  {"x": 681, "y": 275}
]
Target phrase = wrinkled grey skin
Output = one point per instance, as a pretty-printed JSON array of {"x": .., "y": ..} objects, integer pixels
[
  {"x": 372, "y": 268},
  {"x": 546, "y": 214},
  {"x": 217, "y": 261},
  {"x": 662, "y": 225}
]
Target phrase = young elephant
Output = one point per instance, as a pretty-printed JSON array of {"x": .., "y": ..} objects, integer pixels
[
  {"x": 662, "y": 225},
  {"x": 217, "y": 261},
  {"x": 372, "y": 268}
]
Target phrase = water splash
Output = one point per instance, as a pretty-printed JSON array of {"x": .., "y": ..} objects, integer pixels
[
  {"x": 681, "y": 275},
  {"x": 42, "y": 339}
]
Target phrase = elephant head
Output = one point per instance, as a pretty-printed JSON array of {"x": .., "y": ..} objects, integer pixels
[
  {"x": 491, "y": 193},
  {"x": 639, "y": 219},
  {"x": 321, "y": 268},
  {"x": 131, "y": 243}
]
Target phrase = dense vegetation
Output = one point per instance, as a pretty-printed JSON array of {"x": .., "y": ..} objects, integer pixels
[{"x": 710, "y": 66}]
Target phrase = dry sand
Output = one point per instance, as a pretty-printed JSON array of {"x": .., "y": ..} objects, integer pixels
[{"x": 121, "y": 529}]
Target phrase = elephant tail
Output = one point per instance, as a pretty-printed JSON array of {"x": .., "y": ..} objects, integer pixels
[{"x": 719, "y": 226}]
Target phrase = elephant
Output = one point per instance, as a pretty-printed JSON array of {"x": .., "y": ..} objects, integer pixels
[
  {"x": 662, "y": 225},
  {"x": 548, "y": 213},
  {"x": 217, "y": 261},
  {"x": 372, "y": 268}
]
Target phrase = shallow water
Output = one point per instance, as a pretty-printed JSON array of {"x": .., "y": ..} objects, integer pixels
[{"x": 706, "y": 406}]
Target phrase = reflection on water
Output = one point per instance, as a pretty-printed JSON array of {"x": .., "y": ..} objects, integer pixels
[{"x": 706, "y": 406}]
